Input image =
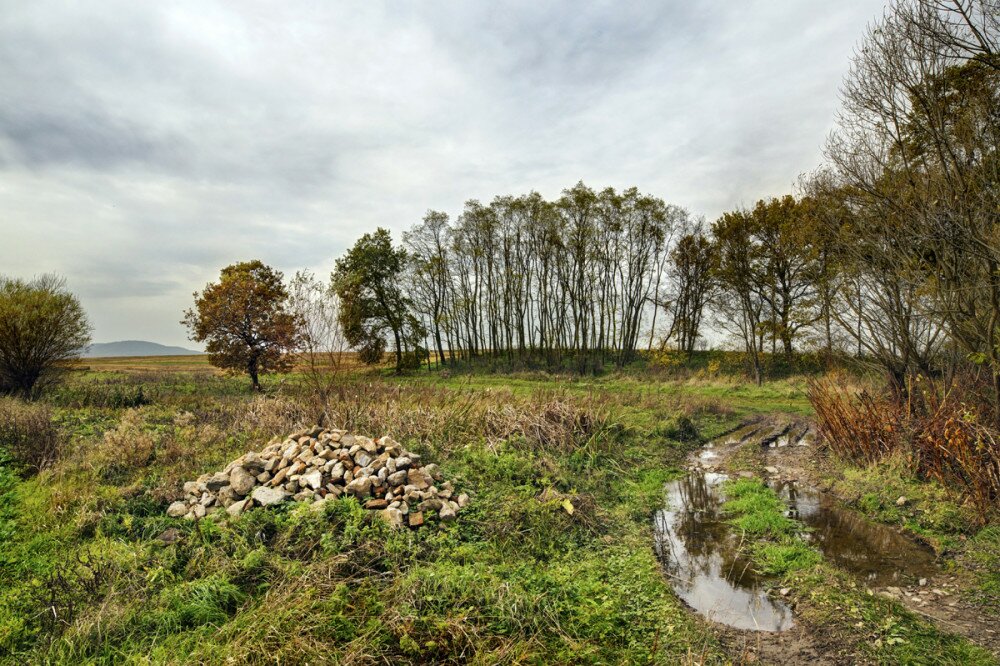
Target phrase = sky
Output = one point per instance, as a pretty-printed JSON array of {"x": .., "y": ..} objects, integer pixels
[{"x": 145, "y": 145}]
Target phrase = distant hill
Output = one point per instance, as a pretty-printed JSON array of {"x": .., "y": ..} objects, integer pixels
[{"x": 135, "y": 348}]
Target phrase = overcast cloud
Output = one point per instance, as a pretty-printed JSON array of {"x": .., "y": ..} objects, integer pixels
[{"x": 144, "y": 145}]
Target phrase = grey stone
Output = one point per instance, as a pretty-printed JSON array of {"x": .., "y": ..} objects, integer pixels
[
  {"x": 269, "y": 496},
  {"x": 431, "y": 505},
  {"x": 217, "y": 481},
  {"x": 177, "y": 509},
  {"x": 236, "y": 508},
  {"x": 241, "y": 481},
  {"x": 398, "y": 478},
  {"x": 392, "y": 516},
  {"x": 359, "y": 487},
  {"x": 447, "y": 514},
  {"x": 313, "y": 479},
  {"x": 253, "y": 463}
]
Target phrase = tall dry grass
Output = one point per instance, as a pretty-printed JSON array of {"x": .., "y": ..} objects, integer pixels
[
  {"x": 28, "y": 434},
  {"x": 940, "y": 430}
]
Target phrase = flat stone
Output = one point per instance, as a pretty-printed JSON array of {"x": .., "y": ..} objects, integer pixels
[
  {"x": 376, "y": 504},
  {"x": 416, "y": 519},
  {"x": 463, "y": 500},
  {"x": 279, "y": 478},
  {"x": 217, "y": 481},
  {"x": 431, "y": 505},
  {"x": 269, "y": 496},
  {"x": 177, "y": 509},
  {"x": 236, "y": 508},
  {"x": 313, "y": 479}
]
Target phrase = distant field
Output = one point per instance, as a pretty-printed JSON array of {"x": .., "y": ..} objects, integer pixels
[
  {"x": 174, "y": 363},
  {"x": 192, "y": 363}
]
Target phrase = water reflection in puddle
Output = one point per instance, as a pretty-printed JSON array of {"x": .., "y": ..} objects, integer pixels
[
  {"x": 701, "y": 556},
  {"x": 701, "y": 553},
  {"x": 877, "y": 553}
]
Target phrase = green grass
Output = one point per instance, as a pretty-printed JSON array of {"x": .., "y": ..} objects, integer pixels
[
  {"x": 773, "y": 539},
  {"x": 879, "y": 628},
  {"x": 517, "y": 579}
]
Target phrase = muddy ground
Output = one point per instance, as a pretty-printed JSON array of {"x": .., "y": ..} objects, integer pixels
[{"x": 898, "y": 565}]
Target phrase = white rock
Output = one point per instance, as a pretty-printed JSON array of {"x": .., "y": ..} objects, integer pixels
[
  {"x": 392, "y": 516},
  {"x": 241, "y": 481},
  {"x": 177, "y": 509},
  {"x": 313, "y": 479},
  {"x": 269, "y": 496},
  {"x": 359, "y": 487},
  {"x": 236, "y": 508}
]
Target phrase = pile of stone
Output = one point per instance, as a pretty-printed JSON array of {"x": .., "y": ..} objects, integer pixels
[{"x": 322, "y": 464}]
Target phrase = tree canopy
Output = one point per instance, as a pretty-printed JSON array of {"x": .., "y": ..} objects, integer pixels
[
  {"x": 42, "y": 325},
  {"x": 245, "y": 322},
  {"x": 370, "y": 282}
]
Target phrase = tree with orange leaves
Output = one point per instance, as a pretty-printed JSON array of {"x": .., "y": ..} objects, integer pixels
[{"x": 245, "y": 322}]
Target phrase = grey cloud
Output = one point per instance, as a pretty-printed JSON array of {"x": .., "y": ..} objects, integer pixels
[
  {"x": 143, "y": 146},
  {"x": 88, "y": 138}
]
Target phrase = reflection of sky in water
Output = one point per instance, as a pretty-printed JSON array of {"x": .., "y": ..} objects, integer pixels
[
  {"x": 700, "y": 555},
  {"x": 875, "y": 552}
]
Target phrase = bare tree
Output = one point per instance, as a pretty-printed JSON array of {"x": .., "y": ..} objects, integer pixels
[{"x": 322, "y": 342}]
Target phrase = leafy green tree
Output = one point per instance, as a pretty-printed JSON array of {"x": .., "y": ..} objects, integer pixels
[
  {"x": 245, "y": 321},
  {"x": 373, "y": 304},
  {"x": 42, "y": 326},
  {"x": 742, "y": 277}
]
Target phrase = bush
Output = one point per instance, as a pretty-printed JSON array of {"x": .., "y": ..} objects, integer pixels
[
  {"x": 939, "y": 431},
  {"x": 42, "y": 326},
  {"x": 28, "y": 434}
]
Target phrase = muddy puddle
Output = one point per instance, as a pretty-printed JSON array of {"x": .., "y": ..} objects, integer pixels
[
  {"x": 877, "y": 554},
  {"x": 701, "y": 553}
]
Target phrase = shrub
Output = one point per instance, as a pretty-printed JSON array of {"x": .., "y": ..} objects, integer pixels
[
  {"x": 42, "y": 326},
  {"x": 939, "y": 431},
  {"x": 28, "y": 434},
  {"x": 682, "y": 429},
  {"x": 126, "y": 449}
]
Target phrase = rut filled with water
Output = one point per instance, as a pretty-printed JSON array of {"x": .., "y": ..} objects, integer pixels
[{"x": 703, "y": 557}]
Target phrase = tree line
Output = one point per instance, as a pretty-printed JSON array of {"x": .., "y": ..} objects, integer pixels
[{"x": 889, "y": 252}]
